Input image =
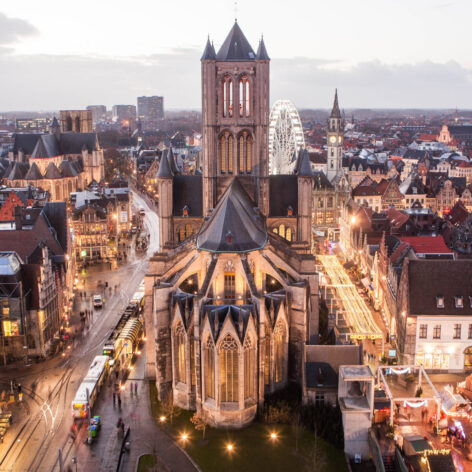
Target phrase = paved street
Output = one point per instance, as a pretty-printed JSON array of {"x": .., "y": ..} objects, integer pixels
[
  {"x": 358, "y": 315},
  {"x": 42, "y": 422}
]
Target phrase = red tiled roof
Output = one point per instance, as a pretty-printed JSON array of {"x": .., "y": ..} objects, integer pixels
[
  {"x": 8, "y": 208},
  {"x": 427, "y": 244},
  {"x": 428, "y": 137}
]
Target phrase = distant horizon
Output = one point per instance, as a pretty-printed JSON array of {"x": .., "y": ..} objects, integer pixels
[{"x": 299, "y": 109}]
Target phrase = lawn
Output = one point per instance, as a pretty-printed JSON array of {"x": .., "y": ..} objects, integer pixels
[
  {"x": 146, "y": 463},
  {"x": 253, "y": 449}
]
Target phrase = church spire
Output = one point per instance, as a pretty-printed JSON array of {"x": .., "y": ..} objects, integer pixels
[
  {"x": 335, "y": 112},
  {"x": 262, "y": 51},
  {"x": 209, "y": 53}
]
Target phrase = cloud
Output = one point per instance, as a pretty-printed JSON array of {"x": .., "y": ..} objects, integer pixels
[
  {"x": 51, "y": 82},
  {"x": 13, "y": 30},
  {"x": 373, "y": 84}
]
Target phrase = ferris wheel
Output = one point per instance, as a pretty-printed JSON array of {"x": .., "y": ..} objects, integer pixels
[{"x": 285, "y": 136}]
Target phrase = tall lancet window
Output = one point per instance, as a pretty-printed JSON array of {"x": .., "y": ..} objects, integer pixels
[
  {"x": 279, "y": 351},
  {"x": 245, "y": 153},
  {"x": 229, "y": 370},
  {"x": 179, "y": 353},
  {"x": 227, "y": 96},
  {"x": 244, "y": 96},
  {"x": 226, "y": 153},
  {"x": 209, "y": 368},
  {"x": 249, "y": 369}
]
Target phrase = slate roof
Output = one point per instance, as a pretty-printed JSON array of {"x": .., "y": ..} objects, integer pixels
[
  {"x": 48, "y": 145},
  {"x": 18, "y": 171},
  {"x": 33, "y": 173},
  {"x": 238, "y": 315},
  {"x": 187, "y": 191},
  {"x": 165, "y": 169},
  {"x": 209, "y": 52},
  {"x": 262, "y": 52},
  {"x": 56, "y": 214},
  {"x": 236, "y": 47},
  {"x": 52, "y": 172},
  {"x": 321, "y": 182},
  {"x": 304, "y": 166},
  {"x": 321, "y": 375},
  {"x": 67, "y": 169},
  {"x": 25, "y": 141},
  {"x": 283, "y": 191},
  {"x": 234, "y": 226},
  {"x": 431, "y": 278}
]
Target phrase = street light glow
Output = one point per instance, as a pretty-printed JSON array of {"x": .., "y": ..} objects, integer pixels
[
  {"x": 273, "y": 436},
  {"x": 353, "y": 220},
  {"x": 184, "y": 437},
  {"x": 229, "y": 447},
  {"x": 162, "y": 419}
]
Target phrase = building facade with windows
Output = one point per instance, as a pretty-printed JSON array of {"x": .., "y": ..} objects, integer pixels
[
  {"x": 434, "y": 320},
  {"x": 232, "y": 293}
]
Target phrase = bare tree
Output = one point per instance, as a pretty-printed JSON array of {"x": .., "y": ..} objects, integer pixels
[
  {"x": 169, "y": 408},
  {"x": 200, "y": 422}
]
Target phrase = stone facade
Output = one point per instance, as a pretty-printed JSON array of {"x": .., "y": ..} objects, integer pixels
[{"x": 229, "y": 311}]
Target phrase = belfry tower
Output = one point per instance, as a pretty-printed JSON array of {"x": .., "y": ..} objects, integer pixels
[
  {"x": 235, "y": 115},
  {"x": 335, "y": 136}
]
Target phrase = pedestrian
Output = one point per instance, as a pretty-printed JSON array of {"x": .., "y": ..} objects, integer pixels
[{"x": 136, "y": 388}]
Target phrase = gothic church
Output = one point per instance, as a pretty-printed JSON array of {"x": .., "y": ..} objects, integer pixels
[{"x": 232, "y": 294}]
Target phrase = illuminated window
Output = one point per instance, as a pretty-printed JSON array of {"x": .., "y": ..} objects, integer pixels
[
  {"x": 192, "y": 359},
  {"x": 275, "y": 230},
  {"x": 437, "y": 332},
  {"x": 244, "y": 96},
  {"x": 267, "y": 360},
  {"x": 288, "y": 234},
  {"x": 249, "y": 369},
  {"x": 227, "y": 96},
  {"x": 179, "y": 341},
  {"x": 230, "y": 291},
  {"x": 459, "y": 302},
  {"x": 230, "y": 154},
  {"x": 440, "y": 302},
  {"x": 282, "y": 230},
  {"x": 11, "y": 328},
  {"x": 223, "y": 154},
  {"x": 229, "y": 370},
  {"x": 245, "y": 153},
  {"x": 457, "y": 331},
  {"x": 209, "y": 368},
  {"x": 279, "y": 347}
]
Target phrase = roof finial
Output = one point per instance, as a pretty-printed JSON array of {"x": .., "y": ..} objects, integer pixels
[{"x": 235, "y": 11}]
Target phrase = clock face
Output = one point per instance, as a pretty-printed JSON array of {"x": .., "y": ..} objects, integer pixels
[{"x": 332, "y": 139}]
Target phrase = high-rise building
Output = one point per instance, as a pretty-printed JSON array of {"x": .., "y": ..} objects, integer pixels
[
  {"x": 99, "y": 112},
  {"x": 125, "y": 114},
  {"x": 150, "y": 110}
]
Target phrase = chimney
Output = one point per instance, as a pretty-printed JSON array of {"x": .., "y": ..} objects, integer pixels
[{"x": 17, "y": 213}]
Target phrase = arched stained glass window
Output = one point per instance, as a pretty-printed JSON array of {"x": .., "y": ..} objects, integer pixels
[
  {"x": 229, "y": 370},
  {"x": 209, "y": 368},
  {"x": 179, "y": 353}
]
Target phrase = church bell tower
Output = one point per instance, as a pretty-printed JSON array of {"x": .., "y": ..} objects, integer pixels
[
  {"x": 235, "y": 118},
  {"x": 335, "y": 136}
]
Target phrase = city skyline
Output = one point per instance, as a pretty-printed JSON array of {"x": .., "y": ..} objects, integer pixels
[{"x": 404, "y": 63}]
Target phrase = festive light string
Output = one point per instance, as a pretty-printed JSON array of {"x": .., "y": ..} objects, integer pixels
[
  {"x": 407, "y": 370},
  {"x": 416, "y": 404}
]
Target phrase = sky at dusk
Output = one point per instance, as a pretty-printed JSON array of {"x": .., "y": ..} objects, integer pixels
[{"x": 378, "y": 53}]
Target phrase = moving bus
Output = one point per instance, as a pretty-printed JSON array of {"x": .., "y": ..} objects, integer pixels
[{"x": 88, "y": 390}]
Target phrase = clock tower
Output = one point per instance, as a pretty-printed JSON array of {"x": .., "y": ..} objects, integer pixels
[{"x": 335, "y": 137}]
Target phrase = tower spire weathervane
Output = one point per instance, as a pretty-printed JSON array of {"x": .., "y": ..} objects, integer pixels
[{"x": 236, "y": 11}]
